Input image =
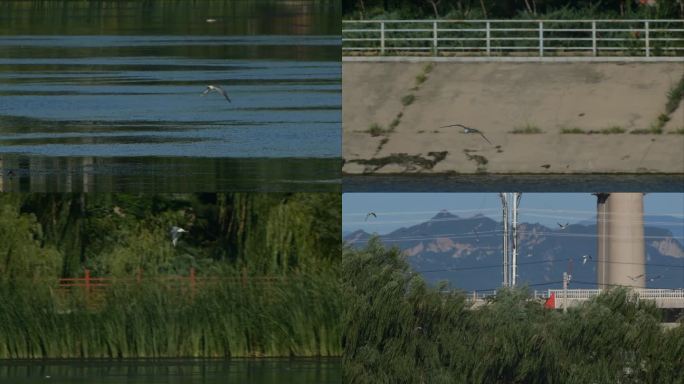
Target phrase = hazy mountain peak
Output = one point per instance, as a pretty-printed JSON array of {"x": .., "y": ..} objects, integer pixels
[
  {"x": 357, "y": 236},
  {"x": 444, "y": 214}
]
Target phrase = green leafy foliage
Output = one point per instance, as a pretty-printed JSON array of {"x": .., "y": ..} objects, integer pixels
[
  {"x": 21, "y": 252},
  {"x": 267, "y": 275},
  {"x": 399, "y": 330},
  {"x": 119, "y": 235},
  {"x": 496, "y": 9}
]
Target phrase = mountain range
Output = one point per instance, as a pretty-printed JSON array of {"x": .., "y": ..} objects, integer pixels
[{"x": 467, "y": 252}]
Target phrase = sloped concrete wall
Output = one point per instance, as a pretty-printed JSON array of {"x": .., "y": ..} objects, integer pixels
[{"x": 500, "y": 98}]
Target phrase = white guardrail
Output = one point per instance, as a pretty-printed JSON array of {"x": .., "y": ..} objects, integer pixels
[
  {"x": 536, "y": 38},
  {"x": 664, "y": 298}
]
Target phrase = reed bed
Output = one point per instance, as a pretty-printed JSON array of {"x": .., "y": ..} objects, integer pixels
[
  {"x": 295, "y": 317},
  {"x": 397, "y": 329}
]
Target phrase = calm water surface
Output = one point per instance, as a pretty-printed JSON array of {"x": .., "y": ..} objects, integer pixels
[
  {"x": 521, "y": 183},
  {"x": 262, "y": 371},
  {"x": 121, "y": 84}
]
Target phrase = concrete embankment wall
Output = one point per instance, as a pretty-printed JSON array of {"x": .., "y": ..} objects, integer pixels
[{"x": 500, "y": 98}]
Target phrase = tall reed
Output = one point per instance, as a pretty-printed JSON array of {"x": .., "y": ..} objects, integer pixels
[{"x": 296, "y": 316}]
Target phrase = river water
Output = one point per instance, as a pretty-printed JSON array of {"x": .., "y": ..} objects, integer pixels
[
  {"x": 520, "y": 183},
  {"x": 253, "y": 371},
  {"x": 101, "y": 93}
]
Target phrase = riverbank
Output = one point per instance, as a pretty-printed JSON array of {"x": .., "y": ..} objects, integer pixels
[
  {"x": 172, "y": 371},
  {"x": 539, "y": 118}
]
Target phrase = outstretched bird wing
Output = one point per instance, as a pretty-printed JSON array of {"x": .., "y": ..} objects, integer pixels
[
  {"x": 469, "y": 129},
  {"x": 483, "y": 136},
  {"x": 217, "y": 89},
  {"x": 224, "y": 93},
  {"x": 455, "y": 125}
]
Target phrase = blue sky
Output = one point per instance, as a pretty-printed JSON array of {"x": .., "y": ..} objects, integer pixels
[{"x": 396, "y": 210}]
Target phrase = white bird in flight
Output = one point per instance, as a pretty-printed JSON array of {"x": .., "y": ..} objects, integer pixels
[
  {"x": 176, "y": 234},
  {"x": 216, "y": 88},
  {"x": 468, "y": 130},
  {"x": 562, "y": 227},
  {"x": 585, "y": 258},
  {"x": 370, "y": 214}
]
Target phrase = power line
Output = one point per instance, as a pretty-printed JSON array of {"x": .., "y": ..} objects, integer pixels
[
  {"x": 622, "y": 219},
  {"x": 498, "y": 288},
  {"x": 674, "y": 214},
  {"x": 405, "y": 212},
  {"x": 634, "y": 263},
  {"x": 493, "y": 233},
  {"x": 382, "y": 222},
  {"x": 456, "y": 269},
  {"x": 524, "y": 285},
  {"x": 540, "y": 211},
  {"x": 476, "y": 267},
  {"x": 437, "y": 236},
  {"x": 569, "y": 234},
  {"x": 612, "y": 285}
]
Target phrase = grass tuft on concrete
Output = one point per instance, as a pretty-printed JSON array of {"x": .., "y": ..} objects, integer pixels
[
  {"x": 527, "y": 129},
  {"x": 375, "y": 130},
  {"x": 674, "y": 97},
  {"x": 573, "y": 131},
  {"x": 407, "y": 100},
  {"x": 611, "y": 130}
]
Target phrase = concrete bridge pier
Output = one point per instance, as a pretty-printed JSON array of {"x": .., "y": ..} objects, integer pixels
[{"x": 620, "y": 229}]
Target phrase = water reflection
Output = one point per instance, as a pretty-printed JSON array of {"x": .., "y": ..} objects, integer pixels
[
  {"x": 155, "y": 17},
  {"x": 164, "y": 174},
  {"x": 255, "y": 371}
]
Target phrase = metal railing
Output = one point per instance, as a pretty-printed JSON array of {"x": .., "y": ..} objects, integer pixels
[
  {"x": 664, "y": 298},
  {"x": 527, "y": 38},
  {"x": 643, "y": 293},
  {"x": 89, "y": 283}
]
